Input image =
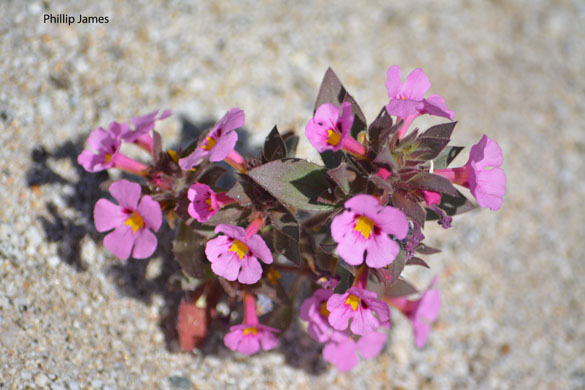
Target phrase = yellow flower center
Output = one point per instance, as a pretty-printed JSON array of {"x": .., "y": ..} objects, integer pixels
[
  {"x": 352, "y": 301},
  {"x": 108, "y": 157},
  {"x": 333, "y": 137},
  {"x": 209, "y": 143},
  {"x": 251, "y": 330},
  {"x": 208, "y": 201},
  {"x": 174, "y": 156},
  {"x": 135, "y": 221},
  {"x": 364, "y": 225},
  {"x": 239, "y": 248},
  {"x": 404, "y": 98},
  {"x": 324, "y": 312}
]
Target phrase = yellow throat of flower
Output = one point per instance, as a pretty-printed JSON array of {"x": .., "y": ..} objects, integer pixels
[
  {"x": 251, "y": 330},
  {"x": 209, "y": 143},
  {"x": 324, "y": 312},
  {"x": 333, "y": 137},
  {"x": 135, "y": 221},
  {"x": 108, "y": 157},
  {"x": 208, "y": 201},
  {"x": 352, "y": 301},
  {"x": 364, "y": 225},
  {"x": 239, "y": 248}
]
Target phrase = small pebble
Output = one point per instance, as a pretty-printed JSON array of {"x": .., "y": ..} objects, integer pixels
[{"x": 41, "y": 380}]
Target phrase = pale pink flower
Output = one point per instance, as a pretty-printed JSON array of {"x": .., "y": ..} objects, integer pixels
[
  {"x": 219, "y": 142},
  {"x": 482, "y": 174},
  {"x": 205, "y": 203},
  {"x": 143, "y": 124},
  {"x": 106, "y": 147},
  {"x": 361, "y": 231},
  {"x": 342, "y": 349},
  {"x": 359, "y": 305},
  {"x": 314, "y": 310},
  {"x": 248, "y": 338},
  {"x": 421, "y": 312},
  {"x": 234, "y": 256},
  {"x": 132, "y": 221},
  {"x": 330, "y": 127}
]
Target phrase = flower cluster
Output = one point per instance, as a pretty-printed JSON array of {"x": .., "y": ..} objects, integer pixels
[{"x": 346, "y": 229}]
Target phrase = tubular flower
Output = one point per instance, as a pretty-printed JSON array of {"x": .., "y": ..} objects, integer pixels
[
  {"x": 142, "y": 126},
  {"x": 205, "y": 203},
  {"x": 407, "y": 99},
  {"x": 361, "y": 231},
  {"x": 482, "y": 173},
  {"x": 328, "y": 130},
  {"x": 234, "y": 256},
  {"x": 421, "y": 313},
  {"x": 359, "y": 305},
  {"x": 219, "y": 142},
  {"x": 314, "y": 310},
  {"x": 132, "y": 221},
  {"x": 342, "y": 349}
]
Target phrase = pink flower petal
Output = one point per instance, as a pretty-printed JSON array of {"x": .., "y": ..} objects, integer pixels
[
  {"x": 371, "y": 344},
  {"x": 403, "y": 108},
  {"x": 379, "y": 307},
  {"x": 232, "y": 339},
  {"x": 100, "y": 139},
  {"x": 363, "y": 204},
  {"x": 364, "y": 322},
  {"x": 259, "y": 248},
  {"x": 120, "y": 241},
  {"x": 490, "y": 188},
  {"x": 381, "y": 251},
  {"x": 90, "y": 161},
  {"x": 217, "y": 247},
  {"x": 390, "y": 220},
  {"x": 327, "y": 115},
  {"x": 233, "y": 231},
  {"x": 126, "y": 193},
  {"x": 347, "y": 118},
  {"x": 233, "y": 119},
  {"x": 249, "y": 345},
  {"x": 486, "y": 153},
  {"x": 342, "y": 355},
  {"x": 352, "y": 247},
  {"x": 227, "y": 265},
  {"x": 107, "y": 215},
  {"x": 224, "y": 146},
  {"x": 149, "y": 210},
  {"x": 145, "y": 244},
  {"x": 268, "y": 340},
  {"x": 192, "y": 160},
  {"x": 421, "y": 333},
  {"x": 435, "y": 105},
  {"x": 251, "y": 270},
  {"x": 416, "y": 85},
  {"x": 394, "y": 82}
]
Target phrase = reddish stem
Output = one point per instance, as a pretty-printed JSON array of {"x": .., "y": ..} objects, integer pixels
[
  {"x": 236, "y": 160},
  {"x": 361, "y": 278}
]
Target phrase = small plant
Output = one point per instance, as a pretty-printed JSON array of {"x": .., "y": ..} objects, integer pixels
[{"x": 328, "y": 242}]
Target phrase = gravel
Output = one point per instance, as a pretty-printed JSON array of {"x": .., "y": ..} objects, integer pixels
[{"x": 73, "y": 317}]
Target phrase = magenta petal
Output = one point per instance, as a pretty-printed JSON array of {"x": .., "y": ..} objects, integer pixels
[
  {"x": 305, "y": 307},
  {"x": 486, "y": 153},
  {"x": 120, "y": 241},
  {"x": 233, "y": 119},
  {"x": 217, "y": 247},
  {"x": 416, "y": 85},
  {"x": 91, "y": 162},
  {"x": 317, "y": 136},
  {"x": 191, "y": 160},
  {"x": 421, "y": 333},
  {"x": 342, "y": 225},
  {"x": 232, "y": 339},
  {"x": 435, "y": 105},
  {"x": 430, "y": 305},
  {"x": 363, "y": 204},
  {"x": 352, "y": 247},
  {"x": 251, "y": 270},
  {"x": 327, "y": 115},
  {"x": 489, "y": 188},
  {"x": 126, "y": 193},
  {"x": 364, "y": 322},
  {"x": 347, "y": 118},
  {"x": 259, "y": 248},
  {"x": 394, "y": 81},
  {"x": 249, "y": 345},
  {"x": 145, "y": 244},
  {"x": 391, "y": 220},
  {"x": 342, "y": 355},
  {"x": 100, "y": 139},
  {"x": 149, "y": 210},
  {"x": 227, "y": 265},
  {"x": 165, "y": 114},
  {"x": 380, "y": 308},
  {"x": 225, "y": 145},
  {"x": 403, "y": 108},
  {"x": 268, "y": 340},
  {"x": 233, "y": 231},
  {"x": 107, "y": 215},
  {"x": 371, "y": 344},
  {"x": 381, "y": 251},
  {"x": 339, "y": 318}
]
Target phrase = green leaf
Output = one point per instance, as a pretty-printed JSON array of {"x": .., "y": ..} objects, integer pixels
[
  {"x": 189, "y": 251},
  {"x": 293, "y": 182},
  {"x": 431, "y": 182},
  {"x": 274, "y": 146},
  {"x": 447, "y": 156}
]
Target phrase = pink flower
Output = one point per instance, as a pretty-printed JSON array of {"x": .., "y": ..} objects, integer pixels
[
  {"x": 482, "y": 173},
  {"x": 247, "y": 338},
  {"x": 342, "y": 350},
  {"x": 407, "y": 99},
  {"x": 132, "y": 221},
  {"x": 107, "y": 146},
  {"x": 328, "y": 130},
  {"x": 422, "y": 312},
  {"x": 220, "y": 141},
  {"x": 361, "y": 231},
  {"x": 143, "y": 124},
  {"x": 234, "y": 256},
  {"x": 314, "y": 310},
  {"x": 359, "y": 305},
  {"x": 205, "y": 202}
]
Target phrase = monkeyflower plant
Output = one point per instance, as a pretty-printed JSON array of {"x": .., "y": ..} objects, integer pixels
[{"x": 329, "y": 242}]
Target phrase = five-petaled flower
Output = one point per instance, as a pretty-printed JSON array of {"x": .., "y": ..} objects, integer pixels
[
  {"x": 247, "y": 338},
  {"x": 205, "y": 203},
  {"x": 219, "y": 142},
  {"x": 314, "y": 310},
  {"x": 342, "y": 349},
  {"x": 361, "y": 231},
  {"x": 234, "y": 256},
  {"x": 359, "y": 305},
  {"x": 132, "y": 221},
  {"x": 421, "y": 312},
  {"x": 328, "y": 130},
  {"x": 482, "y": 173}
]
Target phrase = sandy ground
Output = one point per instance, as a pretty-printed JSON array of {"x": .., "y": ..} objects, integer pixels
[{"x": 73, "y": 317}]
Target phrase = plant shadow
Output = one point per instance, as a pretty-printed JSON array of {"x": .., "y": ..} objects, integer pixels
[{"x": 70, "y": 221}]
